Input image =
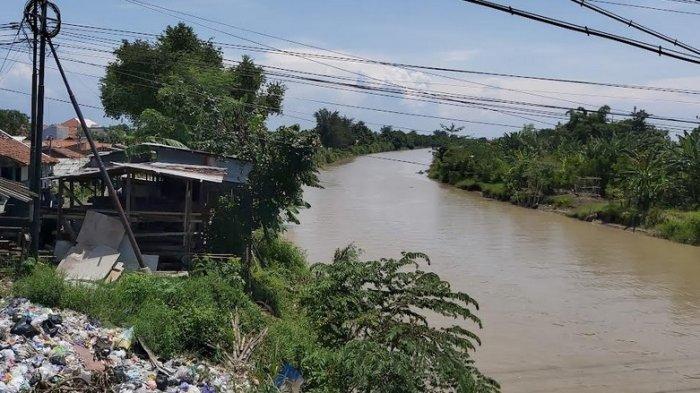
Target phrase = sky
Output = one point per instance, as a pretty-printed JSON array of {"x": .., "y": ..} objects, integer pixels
[{"x": 443, "y": 33}]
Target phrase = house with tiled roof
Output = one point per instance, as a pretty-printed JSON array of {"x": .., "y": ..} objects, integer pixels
[
  {"x": 14, "y": 159},
  {"x": 73, "y": 148},
  {"x": 73, "y": 126}
]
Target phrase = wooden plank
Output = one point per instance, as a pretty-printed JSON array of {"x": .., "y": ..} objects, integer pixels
[
  {"x": 71, "y": 194},
  {"x": 61, "y": 185},
  {"x": 73, "y": 198},
  {"x": 127, "y": 195},
  {"x": 188, "y": 211}
]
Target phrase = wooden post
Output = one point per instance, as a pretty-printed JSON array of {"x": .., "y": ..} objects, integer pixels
[
  {"x": 127, "y": 195},
  {"x": 72, "y": 193},
  {"x": 59, "y": 221},
  {"x": 188, "y": 211}
]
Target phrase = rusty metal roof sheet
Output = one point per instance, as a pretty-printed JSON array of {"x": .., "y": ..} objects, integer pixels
[
  {"x": 194, "y": 172},
  {"x": 16, "y": 190}
]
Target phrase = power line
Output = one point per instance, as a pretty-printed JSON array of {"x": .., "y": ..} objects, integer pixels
[
  {"x": 588, "y": 31},
  {"x": 423, "y": 92},
  {"x": 169, "y": 11},
  {"x": 373, "y": 90},
  {"x": 14, "y": 41},
  {"x": 635, "y": 25},
  {"x": 463, "y": 100},
  {"x": 348, "y": 58},
  {"x": 617, "y": 3}
]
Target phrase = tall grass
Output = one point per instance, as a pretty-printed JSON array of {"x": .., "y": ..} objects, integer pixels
[{"x": 173, "y": 315}]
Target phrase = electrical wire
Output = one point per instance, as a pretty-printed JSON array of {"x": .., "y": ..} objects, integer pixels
[
  {"x": 635, "y": 25},
  {"x": 348, "y": 58},
  {"x": 639, "y": 6},
  {"x": 660, "y": 50}
]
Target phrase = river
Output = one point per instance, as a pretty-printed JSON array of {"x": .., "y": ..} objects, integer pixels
[{"x": 567, "y": 306}]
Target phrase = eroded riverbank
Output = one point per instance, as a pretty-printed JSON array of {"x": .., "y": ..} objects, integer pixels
[{"x": 567, "y": 306}]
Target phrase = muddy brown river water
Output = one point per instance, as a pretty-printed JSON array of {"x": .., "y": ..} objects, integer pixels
[{"x": 567, "y": 306}]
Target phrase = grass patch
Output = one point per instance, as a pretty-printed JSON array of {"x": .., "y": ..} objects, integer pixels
[
  {"x": 679, "y": 226},
  {"x": 173, "y": 315},
  {"x": 468, "y": 184},
  {"x": 561, "y": 201},
  {"x": 495, "y": 190}
]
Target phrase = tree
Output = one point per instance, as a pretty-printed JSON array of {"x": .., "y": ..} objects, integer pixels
[
  {"x": 373, "y": 314},
  {"x": 131, "y": 83},
  {"x": 452, "y": 129},
  {"x": 686, "y": 161},
  {"x": 14, "y": 122},
  {"x": 334, "y": 130},
  {"x": 178, "y": 89}
]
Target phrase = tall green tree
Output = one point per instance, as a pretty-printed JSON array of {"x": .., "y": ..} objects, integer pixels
[
  {"x": 14, "y": 122},
  {"x": 373, "y": 316},
  {"x": 178, "y": 89}
]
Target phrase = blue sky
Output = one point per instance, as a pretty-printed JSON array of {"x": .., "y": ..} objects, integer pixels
[{"x": 448, "y": 33}]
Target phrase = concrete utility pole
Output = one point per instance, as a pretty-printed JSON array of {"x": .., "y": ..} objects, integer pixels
[
  {"x": 45, "y": 34},
  {"x": 37, "y": 13}
]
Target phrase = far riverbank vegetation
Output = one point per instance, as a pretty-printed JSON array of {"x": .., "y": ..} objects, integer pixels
[{"x": 627, "y": 172}]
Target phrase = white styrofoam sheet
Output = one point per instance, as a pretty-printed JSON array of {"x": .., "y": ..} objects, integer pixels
[
  {"x": 100, "y": 230},
  {"x": 128, "y": 257},
  {"x": 88, "y": 264}
]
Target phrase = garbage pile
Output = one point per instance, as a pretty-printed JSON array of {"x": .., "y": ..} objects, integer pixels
[{"x": 42, "y": 349}]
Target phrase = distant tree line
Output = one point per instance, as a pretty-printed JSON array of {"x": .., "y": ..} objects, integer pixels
[
  {"x": 638, "y": 167},
  {"x": 337, "y": 131}
]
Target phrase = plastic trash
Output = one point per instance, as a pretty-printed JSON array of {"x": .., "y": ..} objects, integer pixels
[
  {"x": 125, "y": 339},
  {"x": 50, "y": 324},
  {"x": 74, "y": 349},
  {"x": 24, "y": 327}
]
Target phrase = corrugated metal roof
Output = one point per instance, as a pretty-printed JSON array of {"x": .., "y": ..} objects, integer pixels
[
  {"x": 68, "y": 166},
  {"x": 195, "y": 172},
  {"x": 16, "y": 190},
  {"x": 186, "y": 149}
]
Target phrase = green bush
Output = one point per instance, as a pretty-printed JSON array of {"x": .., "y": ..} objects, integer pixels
[
  {"x": 43, "y": 285},
  {"x": 173, "y": 315},
  {"x": 468, "y": 184},
  {"x": 495, "y": 190},
  {"x": 268, "y": 287},
  {"x": 277, "y": 252},
  {"x": 290, "y": 339},
  {"x": 561, "y": 201},
  {"x": 683, "y": 227}
]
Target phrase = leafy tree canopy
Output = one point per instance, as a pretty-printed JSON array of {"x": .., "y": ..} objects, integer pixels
[
  {"x": 373, "y": 316},
  {"x": 178, "y": 89},
  {"x": 14, "y": 122}
]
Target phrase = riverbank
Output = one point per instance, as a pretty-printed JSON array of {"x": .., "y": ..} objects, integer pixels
[
  {"x": 678, "y": 226},
  {"x": 618, "y": 309},
  {"x": 334, "y": 156},
  {"x": 256, "y": 324}
]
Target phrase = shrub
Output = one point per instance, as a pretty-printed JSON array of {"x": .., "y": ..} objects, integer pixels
[
  {"x": 173, "y": 315},
  {"x": 277, "y": 252},
  {"x": 373, "y": 315},
  {"x": 468, "y": 184},
  {"x": 268, "y": 287},
  {"x": 562, "y": 201},
  {"x": 683, "y": 227},
  {"x": 495, "y": 190},
  {"x": 43, "y": 285}
]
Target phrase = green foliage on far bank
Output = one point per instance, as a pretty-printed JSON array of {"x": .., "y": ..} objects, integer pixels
[
  {"x": 326, "y": 320},
  {"x": 343, "y": 138},
  {"x": 636, "y": 169}
]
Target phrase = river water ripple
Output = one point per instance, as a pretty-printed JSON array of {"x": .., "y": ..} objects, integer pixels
[{"x": 567, "y": 306}]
